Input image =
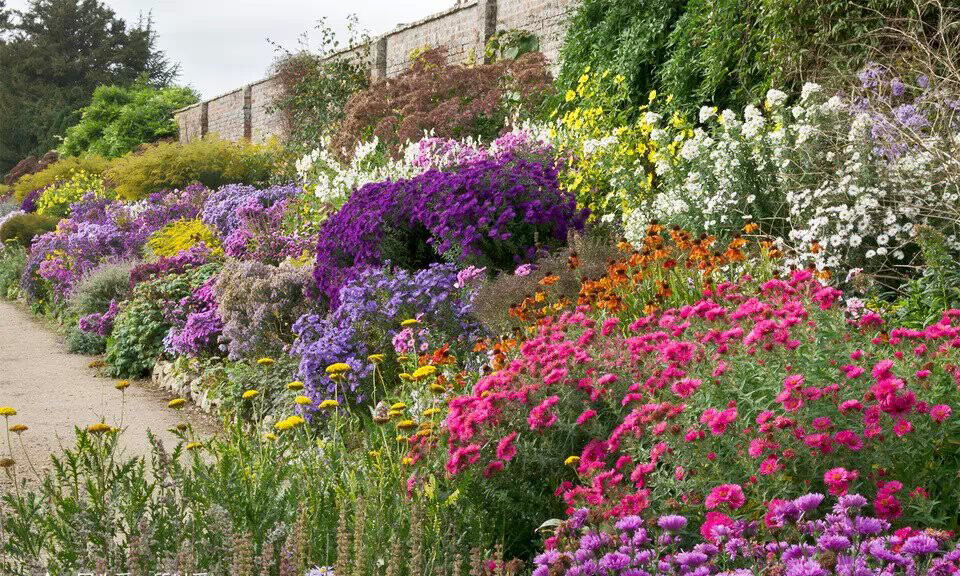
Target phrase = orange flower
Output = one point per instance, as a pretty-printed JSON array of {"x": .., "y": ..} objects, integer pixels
[{"x": 549, "y": 280}]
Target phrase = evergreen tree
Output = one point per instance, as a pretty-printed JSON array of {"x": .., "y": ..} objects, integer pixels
[{"x": 52, "y": 57}]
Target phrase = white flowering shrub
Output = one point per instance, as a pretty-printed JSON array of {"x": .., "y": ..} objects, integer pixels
[{"x": 843, "y": 182}]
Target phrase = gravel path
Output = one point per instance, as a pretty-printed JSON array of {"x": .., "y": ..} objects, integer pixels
[{"x": 54, "y": 391}]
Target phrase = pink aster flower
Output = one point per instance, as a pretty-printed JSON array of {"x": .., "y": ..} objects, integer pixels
[
  {"x": 940, "y": 413},
  {"x": 506, "y": 449},
  {"x": 729, "y": 494}
]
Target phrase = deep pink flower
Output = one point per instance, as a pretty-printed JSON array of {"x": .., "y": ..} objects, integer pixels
[
  {"x": 584, "y": 416},
  {"x": 711, "y": 522},
  {"x": 506, "y": 449},
  {"x": 729, "y": 494},
  {"x": 838, "y": 480},
  {"x": 940, "y": 413}
]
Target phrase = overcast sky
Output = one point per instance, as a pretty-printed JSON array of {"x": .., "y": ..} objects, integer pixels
[{"x": 222, "y": 45}]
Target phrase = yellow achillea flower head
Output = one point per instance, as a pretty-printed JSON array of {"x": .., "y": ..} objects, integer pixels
[
  {"x": 269, "y": 436},
  {"x": 176, "y": 403},
  {"x": 407, "y": 461},
  {"x": 122, "y": 385},
  {"x": 303, "y": 400},
  {"x": 19, "y": 428},
  {"x": 392, "y": 413},
  {"x": 374, "y": 453},
  {"x": 403, "y": 358},
  {"x": 288, "y": 423},
  {"x": 327, "y": 404},
  {"x": 406, "y": 377},
  {"x": 250, "y": 394},
  {"x": 572, "y": 460},
  {"x": 399, "y": 406},
  {"x": 437, "y": 388},
  {"x": 98, "y": 427},
  {"x": 193, "y": 445},
  {"x": 406, "y": 424},
  {"x": 266, "y": 361},
  {"x": 425, "y": 432},
  {"x": 376, "y": 358},
  {"x": 430, "y": 411},
  {"x": 7, "y": 411},
  {"x": 338, "y": 368},
  {"x": 295, "y": 385},
  {"x": 424, "y": 372},
  {"x": 409, "y": 322}
]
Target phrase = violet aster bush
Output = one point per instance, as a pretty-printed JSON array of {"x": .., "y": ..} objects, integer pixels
[
  {"x": 196, "y": 328},
  {"x": 258, "y": 304},
  {"x": 101, "y": 231},
  {"x": 372, "y": 307},
  {"x": 222, "y": 209},
  {"x": 494, "y": 211},
  {"x": 795, "y": 539}
]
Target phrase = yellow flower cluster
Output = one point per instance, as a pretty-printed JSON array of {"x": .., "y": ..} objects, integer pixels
[
  {"x": 183, "y": 235},
  {"x": 610, "y": 158},
  {"x": 57, "y": 198},
  {"x": 289, "y": 422}
]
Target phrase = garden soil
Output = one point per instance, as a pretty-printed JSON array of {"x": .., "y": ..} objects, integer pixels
[{"x": 54, "y": 391}]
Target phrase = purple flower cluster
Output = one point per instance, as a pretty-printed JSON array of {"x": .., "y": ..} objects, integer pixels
[
  {"x": 842, "y": 542},
  {"x": 492, "y": 211},
  {"x": 259, "y": 236},
  {"x": 372, "y": 307},
  {"x": 222, "y": 209},
  {"x": 197, "y": 255},
  {"x": 100, "y": 324},
  {"x": 29, "y": 202},
  {"x": 195, "y": 326},
  {"x": 100, "y": 231}
]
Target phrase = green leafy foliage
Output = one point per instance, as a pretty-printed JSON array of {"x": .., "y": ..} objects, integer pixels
[
  {"x": 119, "y": 119},
  {"x": 210, "y": 161},
  {"x": 12, "y": 260},
  {"x": 725, "y": 52},
  {"x": 139, "y": 329},
  {"x": 22, "y": 228}
]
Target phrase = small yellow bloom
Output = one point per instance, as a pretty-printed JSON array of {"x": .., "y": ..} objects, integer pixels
[
  {"x": 424, "y": 372},
  {"x": 406, "y": 424},
  {"x": 98, "y": 427},
  {"x": 295, "y": 385},
  {"x": 122, "y": 385},
  {"x": 407, "y": 461},
  {"x": 250, "y": 394},
  {"x": 570, "y": 95},
  {"x": 176, "y": 403},
  {"x": 393, "y": 413},
  {"x": 430, "y": 411},
  {"x": 406, "y": 377},
  {"x": 338, "y": 368},
  {"x": 376, "y": 358},
  {"x": 653, "y": 96},
  {"x": 303, "y": 400},
  {"x": 269, "y": 436},
  {"x": 403, "y": 358},
  {"x": 425, "y": 432},
  {"x": 288, "y": 423},
  {"x": 399, "y": 406},
  {"x": 19, "y": 428},
  {"x": 374, "y": 453},
  {"x": 401, "y": 438},
  {"x": 572, "y": 460},
  {"x": 409, "y": 322},
  {"x": 266, "y": 361},
  {"x": 327, "y": 404},
  {"x": 193, "y": 445},
  {"x": 437, "y": 388},
  {"x": 7, "y": 411}
]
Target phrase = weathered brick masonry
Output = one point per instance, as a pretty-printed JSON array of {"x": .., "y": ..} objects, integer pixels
[{"x": 463, "y": 30}]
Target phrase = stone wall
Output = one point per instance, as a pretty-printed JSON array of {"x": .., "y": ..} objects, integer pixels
[{"x": 463, "y": 30}]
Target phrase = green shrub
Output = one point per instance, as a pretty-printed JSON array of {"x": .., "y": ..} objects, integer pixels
[
  {"x": 139, "y": 329},
  {"x": 13, "y": 258},
  {"x": 210, "y": 161},
  {"x": 22, "y": 228},
  {"x": 119, "y": 119},
  {"x": 722, "y": 52},
  {"x": 84, "y": 343},
  {"x": 94, "y": 292},
  {"x": 59, "y": 170}
]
